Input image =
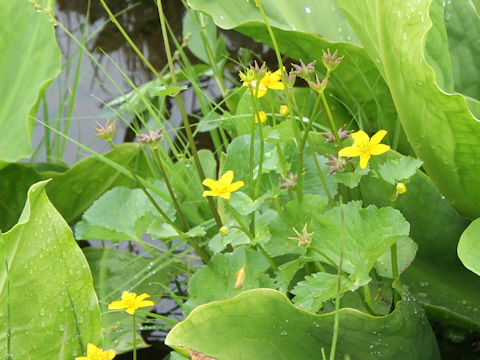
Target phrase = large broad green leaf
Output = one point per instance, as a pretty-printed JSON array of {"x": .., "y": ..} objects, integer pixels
[
  {"x": 263, "y": 324},
  {"x": 469, "y": 247},
  {"x": 109, "y": 268},
  {"x": 216, "y": 280},
  {"x": 440, "y": 126},
  {"x": 436, "y": 277},
  {"x": 356, "y": 82},
  {"x": 123, "y": 214},
  {"x": 463, "y": 28},
  {"x": 367, "y": 233},
  {"x": 29, "y": 61},
  {"x": 47, "y": 299},
  {"x": 72, "y": 190}
]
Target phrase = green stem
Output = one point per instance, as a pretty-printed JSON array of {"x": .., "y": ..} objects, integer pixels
[
  {"x": 339, "y": 282},
  {"x": 134, "y": 331},
  {"x": 239, "y": 220},
  {"x": 393, "y": 255},
  {"x": 251, "y": 158},
  {"x": 320, "y": 173},
  {"x": 302, "y": 148},
  {"x": 170, "y": 190},
  {"x": 333, "y": 127},
  {"x": 282, "y": 72},
  {"x": 181, "y": 106},
  {"x": 260, "y": 161}
]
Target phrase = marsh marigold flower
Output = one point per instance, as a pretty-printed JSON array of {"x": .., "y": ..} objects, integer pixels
[
  {"x": 130, "y": 302},
  {"x": 268, "y": 81},
  {"x": 223, "y": 187},
  {"x": 365, "y": 147},
  {"x": 94, "y": 353}
]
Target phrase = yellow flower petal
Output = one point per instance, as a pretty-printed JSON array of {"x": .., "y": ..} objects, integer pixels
[
  {"x": 379, "y": 149},
  {"x": 236, "y": 185},
  {"x": 378, "y": 137},
  {"x": 130, "y": 311},
  {"x": 360, "y": 136},
  {"x": 276, "y": 86},
  {"x": 110, "y": 354},
  {"x": 209, "y": 193},
  {"x": 146, "y": 303},
  {"x": 208, "y": 182},
  {"x": 364, "y": 160},
  {"x": 260, "y": 92},
  {"x": 350, "y": 151},
  {"x": 225, "y": 196},
  {"x": 116, "y": 305},
  {"x": 227, "y": 178},
  {"x": 141, "y": 297}
]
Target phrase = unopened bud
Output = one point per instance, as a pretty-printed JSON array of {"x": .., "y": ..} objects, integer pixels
[
  {"x": 239, "y": 278},
  {"x": 261, "y": 116},
  {"x": 224, "y": 230},
  {"x": 284, "y": 110},
  {"x": 401, "y": 188}
]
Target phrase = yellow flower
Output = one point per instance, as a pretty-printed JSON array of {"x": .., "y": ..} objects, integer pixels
[
  {"x": 223, "y": 187},
  {"x": 95, "y": 353},
  {"x": 364, "y": 147},
  {"x": 284, "y": 110},
  {"x": 401, "y": 188},
  {"x": 130, "y": 302},
  {"x": 268, "y": 81},
  {"x": 261, "y": 116}
]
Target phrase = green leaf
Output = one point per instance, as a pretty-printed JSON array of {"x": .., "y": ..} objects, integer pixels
[
  {"x": 463, "y": 28},
  {"x": 47, "y": 299},
  {"x": 109, "y": 269},
  {"x": 216, "y": 280},
  {"x": 195, "y": 43},
  {"x": 366, "y": 232},
  {"x": 295, "y": 214},
  {"x": 406, "y": 250},
  {"x": 29, "y": 62},
  {"x": 469, "y": 247},
  {"x": 317, "y": 288},
  {"x": 394, "y": 170},
  {"x": 440, "y": 125},
  {"x": 264, "y": 324},
  {"x": 123, "y": 214},
  {"x": 436, "y": 277},
  {"x": 170, "y": 91},
  {"x": 72, "y": 190}
]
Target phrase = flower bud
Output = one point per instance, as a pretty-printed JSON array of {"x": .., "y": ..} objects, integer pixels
[
  {"x": 261, "y": 116},
  {"x": 239, "y": 278},
  {"x": 150, "y": 138},
  {"x": 284, "y": 110},
  {"x": 302, "y": 70},
  {"x": 401, "y": 188},
  {"x": 224, "y": 230},
  {"x": 318, "y": 85}
]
